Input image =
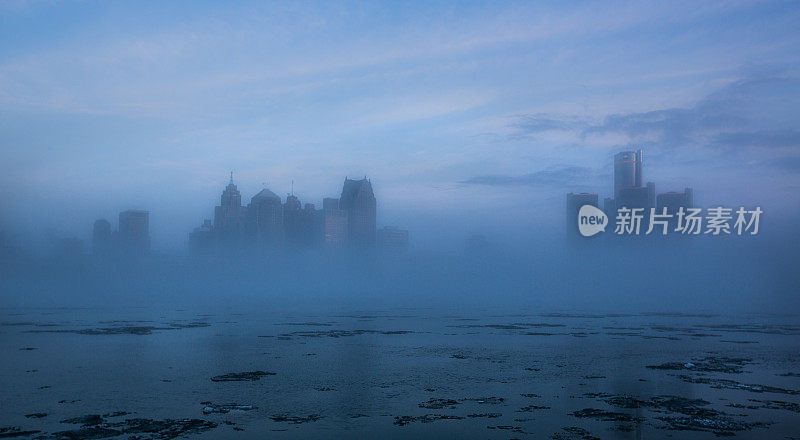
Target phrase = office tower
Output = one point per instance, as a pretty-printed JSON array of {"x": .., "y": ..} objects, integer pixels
[
  {"x": 264, "y": 225},
  {"x": 574, "y": 203},
  {"x": 201, "y": 240},
  {"x": 101, "y": 237},
  {"x": 335, "y": 223},
  {"x": 358, "y": 201},
  {"x": 651, "y": 194},
  {"x": 627, "y": 170},
  {"x": 634, "y": 197},
  {"x": 292, "y": 220},
  {"x": 229, "y": 216},
  {"x": 674, "y": 201},
  {"x": 392, "y": 240},
  {"x": 134, "y": 231},
  {"x": 309, "y": 225},
  {"x": 689, "y": 192},
  {"x": 318, "y": 227}
]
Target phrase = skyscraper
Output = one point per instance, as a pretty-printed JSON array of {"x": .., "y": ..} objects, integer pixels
[
  {"x": 264, "y": 226},
  {"x": 292, "y": 220},
  {"x": 674, "y": 201},
  {"x": 334, "y": 223},
  {"x": 359, "y": 202},
  {"x": 229, "y": 216},
  {"x": 134, "y": 231},
  {"x": 627, "y": 171},
  {"x": 201, "y": 240}
]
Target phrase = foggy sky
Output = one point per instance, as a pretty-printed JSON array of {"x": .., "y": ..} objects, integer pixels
[{"x": 467, "y": 117}]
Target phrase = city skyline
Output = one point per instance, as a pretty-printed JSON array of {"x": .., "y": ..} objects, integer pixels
[{"x": 107, "y": 108}]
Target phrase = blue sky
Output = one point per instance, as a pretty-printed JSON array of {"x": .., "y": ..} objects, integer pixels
[{"x": 466, "y": 116}]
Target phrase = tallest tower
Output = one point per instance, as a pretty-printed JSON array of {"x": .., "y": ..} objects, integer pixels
[
  {"x": 627, "y": 170},
  {"x": 229, "y": 216}
]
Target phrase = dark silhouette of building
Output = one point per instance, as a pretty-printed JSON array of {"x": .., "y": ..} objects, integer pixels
[
  {"x": 392, "y": 240},
  {"x": 627, "y": 171},
  {"x": 293, "y": 220},
  {"x": 134, "y": 231},
  {"x": 265, "y": 220},
  {"x": 359, "y": 202},
  {"x": 334, "y": 224},
  {"x": 673, "y": 202},
  {"x": 310, "y": 233},
  {"x": 634, "y": 197},
  {"x": 229, "y": 217},
  {"x": 574, "y": 203},
  {"x": 102, "y": 237},
  {"x": 201, "y": 240}
]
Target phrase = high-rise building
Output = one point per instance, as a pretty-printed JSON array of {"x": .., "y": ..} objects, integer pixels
[
  {"x": 101, "y": 237},
  {"x": 574, "y": 203},
  {"x": 309, "y": 226},
  {"x": 627, "y": 170},
  {"x": 293, "y": 220},
  {"x": 392, "y": 240},
  {"x": 134, "y": 231},
  {"x": 674, "y": 201},
  {"x": 334, "y": 223},
  {"x": 229, "y": 216},
  {"x": 201, "y": 240},
  {"x": 359, "y": 202},
  {"x": 634, "y": 197},
  {"x": 264, "y": 225}
]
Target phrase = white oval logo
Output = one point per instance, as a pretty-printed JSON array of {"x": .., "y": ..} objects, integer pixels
[{"x": 591, "y": 220}]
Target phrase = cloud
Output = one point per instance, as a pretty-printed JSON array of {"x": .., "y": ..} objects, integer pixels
[
  {"x": 540, "y": 122},
  {"x": 789, "y": 164},
  {"x": 752, "y": 113},
  {"x": 759, "y": 139},
  {"x": 548, "y": 177}
]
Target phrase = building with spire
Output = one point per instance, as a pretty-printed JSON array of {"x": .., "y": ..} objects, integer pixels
[
  {"x": 358, "y": 201},
  {"x": 229, "y": 216}
]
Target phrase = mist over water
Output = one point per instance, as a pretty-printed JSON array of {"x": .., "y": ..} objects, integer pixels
[
  {"x": 347, "y": 220},
  {"x": 604, "y": 274}
]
